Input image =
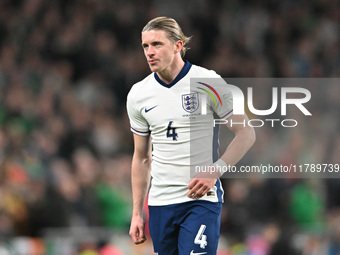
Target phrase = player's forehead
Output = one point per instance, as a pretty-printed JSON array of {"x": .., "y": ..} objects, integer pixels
[{"x": 154, "y": 35}]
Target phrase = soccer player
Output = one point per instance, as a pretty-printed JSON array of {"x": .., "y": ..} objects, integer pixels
[{"x": 171, "y": 134}]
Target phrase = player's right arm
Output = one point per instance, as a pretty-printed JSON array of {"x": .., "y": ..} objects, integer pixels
[{"x": 140, "y": 178}]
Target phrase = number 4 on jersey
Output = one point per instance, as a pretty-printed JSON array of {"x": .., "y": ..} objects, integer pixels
[
  {"x": 200, "y": 238},
  {"x": 171, "y": 132}
]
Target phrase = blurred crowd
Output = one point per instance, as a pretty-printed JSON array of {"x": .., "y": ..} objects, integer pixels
[{"x": 66, "y": 67}]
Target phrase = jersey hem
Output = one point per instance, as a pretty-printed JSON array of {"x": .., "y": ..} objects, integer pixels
[{"x": 177, "y": 201}]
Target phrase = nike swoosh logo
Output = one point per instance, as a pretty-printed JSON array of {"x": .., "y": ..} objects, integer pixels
[
  {"x": 194, "y": 253},
  {"x": 147, "y": 110}
]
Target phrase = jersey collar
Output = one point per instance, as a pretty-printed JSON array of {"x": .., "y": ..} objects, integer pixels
[{"x": 181, "y": 74}]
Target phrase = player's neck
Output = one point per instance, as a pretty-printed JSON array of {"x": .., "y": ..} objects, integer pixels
[{"x": 170, "y": 73}]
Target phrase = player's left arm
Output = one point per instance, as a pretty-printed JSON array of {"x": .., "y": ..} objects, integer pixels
[{"x": 242, "y": 142}]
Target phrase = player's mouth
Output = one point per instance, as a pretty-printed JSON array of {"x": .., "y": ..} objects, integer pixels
[{"x": 152, "y": 62}]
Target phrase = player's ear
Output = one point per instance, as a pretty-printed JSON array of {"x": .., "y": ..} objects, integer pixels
[{"x": 179, "y": 46}]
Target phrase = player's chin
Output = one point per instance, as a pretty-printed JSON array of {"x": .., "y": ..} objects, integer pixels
[{"x": 154, "y": 68}]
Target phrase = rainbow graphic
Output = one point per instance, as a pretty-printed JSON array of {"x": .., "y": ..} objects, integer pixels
[{"x": 210, "y": 93}]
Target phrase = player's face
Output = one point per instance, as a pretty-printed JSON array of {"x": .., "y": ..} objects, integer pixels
[{"x": 159, "y": 50}]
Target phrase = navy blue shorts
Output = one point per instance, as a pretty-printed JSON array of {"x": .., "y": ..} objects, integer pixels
[{"x": 185, "y": 229}]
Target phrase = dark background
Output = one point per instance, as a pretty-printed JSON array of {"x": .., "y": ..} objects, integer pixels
[{"x": 66, "y": 67}]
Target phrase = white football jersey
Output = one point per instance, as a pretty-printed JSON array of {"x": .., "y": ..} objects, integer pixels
[{"x": 179, "y": 118}]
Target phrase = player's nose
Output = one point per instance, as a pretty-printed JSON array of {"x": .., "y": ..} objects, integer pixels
[{"x": 150, "y": 51}]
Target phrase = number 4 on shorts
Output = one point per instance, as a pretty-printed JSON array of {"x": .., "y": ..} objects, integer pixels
[{"x": 200, "y": 238}]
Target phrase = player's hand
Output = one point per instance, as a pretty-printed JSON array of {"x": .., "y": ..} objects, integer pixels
[
  {"x": 200, "y": 185},
  {"x": 137, "y": 230}
]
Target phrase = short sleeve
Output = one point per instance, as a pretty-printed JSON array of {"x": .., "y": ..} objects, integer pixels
[
  {"x": 138, "y": 123},
  {"x": 223, "y": 105},
  {"x": 216, "y": 90}
]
